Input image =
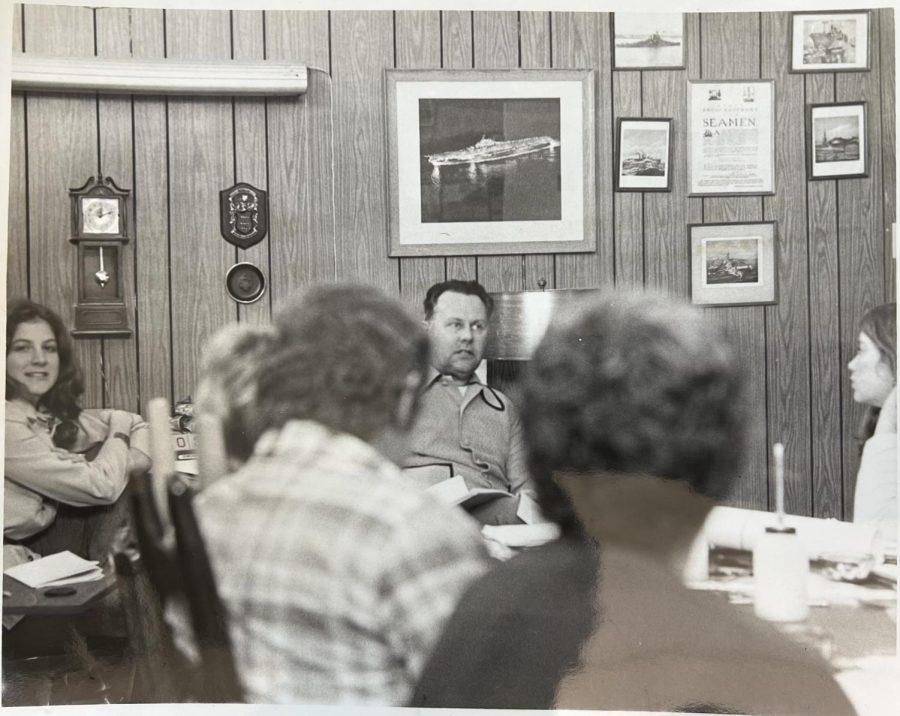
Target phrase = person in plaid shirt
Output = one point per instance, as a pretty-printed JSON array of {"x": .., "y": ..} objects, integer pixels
[{"x": 337, "y": 571}]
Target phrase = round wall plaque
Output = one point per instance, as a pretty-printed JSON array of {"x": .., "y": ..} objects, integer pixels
[{"x": 245, "y": 283}]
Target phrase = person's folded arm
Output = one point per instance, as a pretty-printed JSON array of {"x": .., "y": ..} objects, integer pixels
[
  {"x": 140, "y": 435},
  {"x": 100, "y": 422},
  {"x": 516, "y": 463},
  {"x": 25, "y": 512},
  {"x": 33, "y": 462}
]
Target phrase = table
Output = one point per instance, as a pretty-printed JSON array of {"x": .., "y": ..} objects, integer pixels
[
  {"x": 23, "y": 599},
  {"x": 858, "y": 637}
]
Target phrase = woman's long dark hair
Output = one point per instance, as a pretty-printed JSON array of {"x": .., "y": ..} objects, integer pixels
[
  {"x": 61, "y": 401},
  {"x": 880, "y": 325}
]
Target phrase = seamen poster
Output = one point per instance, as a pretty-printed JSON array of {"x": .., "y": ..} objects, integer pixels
[{"x": 731, "y": 138}]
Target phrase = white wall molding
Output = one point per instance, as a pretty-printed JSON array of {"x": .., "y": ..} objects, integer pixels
[{"x": 154, "y": 77}]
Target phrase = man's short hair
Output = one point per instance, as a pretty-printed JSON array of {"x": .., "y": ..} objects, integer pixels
[
  {"x": 468, "y": 288},
  {"x": 342, "y": 357},
  {"x": 633, "y": 384}
]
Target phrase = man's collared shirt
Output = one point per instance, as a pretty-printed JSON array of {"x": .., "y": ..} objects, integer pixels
[
  {"x": 337, "y": 577},
  {"x": 476, "y": 433}
]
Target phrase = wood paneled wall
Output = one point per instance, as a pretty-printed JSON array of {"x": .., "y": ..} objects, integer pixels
[{"x": 322, "y": 159}]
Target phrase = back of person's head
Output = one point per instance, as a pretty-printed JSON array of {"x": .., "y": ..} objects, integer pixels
[
  {"x": 633, "y": 384},
  {"x": 342, "y": 356},
  {"x": 228, "y": 383},
  {"x": 61, "y": 400},
  {"x": 467, "y": 288}
]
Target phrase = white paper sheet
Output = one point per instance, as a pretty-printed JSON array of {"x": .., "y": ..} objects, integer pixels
[{"x": 54, "y": 567}]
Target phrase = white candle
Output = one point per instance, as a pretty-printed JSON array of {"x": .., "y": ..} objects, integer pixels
[
  {"x": 163, "y": 455},
  {"x": 778, "y": 454},
  {"x": 161, "y": 438}
]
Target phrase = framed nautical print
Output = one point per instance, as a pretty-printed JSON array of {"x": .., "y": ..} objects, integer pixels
[
  {"x": 490, "y": 162},
  {"x": 834, "y": 41},
  {"x": 836, "y": 141},
  {"x": 731, "y": 137},
  {"x": 648, "y": 40},
  {"x": 643, "y": 154},
  {"x": 733, "y": 264}
]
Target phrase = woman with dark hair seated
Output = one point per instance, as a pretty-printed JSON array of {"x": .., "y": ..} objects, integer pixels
[
  {"x": 634, "y": 424},
  {"x": 873, "y": 377},
  {"x": 50, "y": 438}
]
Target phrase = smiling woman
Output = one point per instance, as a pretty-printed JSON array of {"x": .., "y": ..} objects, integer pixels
[{"x": 56, "y": 452}]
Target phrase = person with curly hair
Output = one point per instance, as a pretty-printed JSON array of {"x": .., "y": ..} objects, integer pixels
[
  {"x": 55, "y": 451},
  {"x": 873, "y": 378},
  {"x": 635, "y": 425},
  {"x": 337, "y": 574}
]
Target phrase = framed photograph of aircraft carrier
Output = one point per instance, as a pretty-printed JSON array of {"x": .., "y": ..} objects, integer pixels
[
  {"x": 648, "y": 40},
  {"x": 830, "y": 41},
  {"x": 733, "y": 264},
  {"x": 490, "y": 162},
  {"x": 643, "y": 154}
]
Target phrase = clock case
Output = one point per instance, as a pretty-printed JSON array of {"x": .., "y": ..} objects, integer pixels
[{"x": 100, "y": 309}]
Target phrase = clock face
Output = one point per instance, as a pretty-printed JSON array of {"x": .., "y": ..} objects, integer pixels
[{"x": 100, "y": 216}]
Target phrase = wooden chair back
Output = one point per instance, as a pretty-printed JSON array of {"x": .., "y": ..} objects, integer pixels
[{"x": 219, "y": 678}]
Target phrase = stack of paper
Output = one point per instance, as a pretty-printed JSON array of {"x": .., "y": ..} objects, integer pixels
[
  {"x": 522, "y": 535},
  {"x": 56, "y": 570},
  {"x": 820, "y": 590}
]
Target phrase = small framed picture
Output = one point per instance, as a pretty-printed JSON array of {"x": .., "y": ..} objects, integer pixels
[
  {"x": 648, "y": 40},
  {"x": 643, "y": 154},
  {"x": 836, "y": 41},
  {"x": 836, "y": 140},
  {"x": 733, "y": 264}
]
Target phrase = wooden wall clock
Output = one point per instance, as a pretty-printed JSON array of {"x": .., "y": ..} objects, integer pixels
[{"x": 100, "y": 232}]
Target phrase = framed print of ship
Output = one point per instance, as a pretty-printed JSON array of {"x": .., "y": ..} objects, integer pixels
[
  {"x": 835, "y": 41},
  {"x": 490, "y": 161},
  {"x": 643, "y": 154},
  {"x": 733, "y": 264},
  {"x": 836, "y": 141},
  {"x": 648, "y": 40}
]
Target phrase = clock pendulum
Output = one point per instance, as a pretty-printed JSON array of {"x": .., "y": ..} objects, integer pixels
[{"x": 102, "y": 275}]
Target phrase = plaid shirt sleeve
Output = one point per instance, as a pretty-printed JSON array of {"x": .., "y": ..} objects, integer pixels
[{"x": 439, "y": 553}]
